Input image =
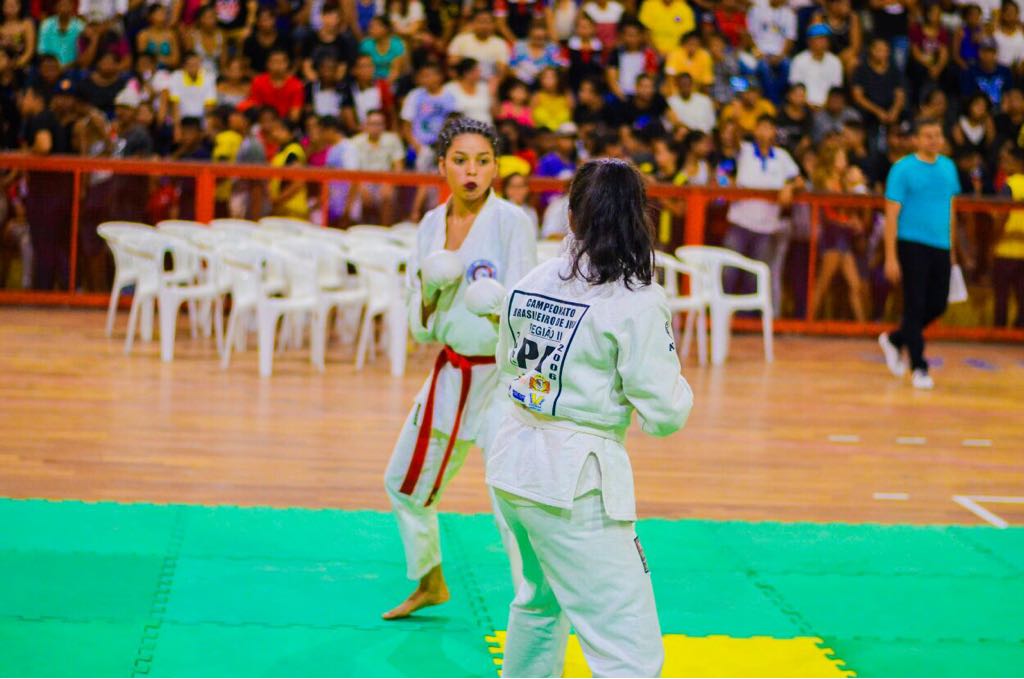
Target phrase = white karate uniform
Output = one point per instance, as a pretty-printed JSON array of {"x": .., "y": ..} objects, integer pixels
[
  {"x": 501, "y": 244},
  {"x": 578, "y": 360}
]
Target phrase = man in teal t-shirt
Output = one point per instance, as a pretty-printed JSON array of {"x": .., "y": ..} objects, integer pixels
[{"x": 919, "y": 245}]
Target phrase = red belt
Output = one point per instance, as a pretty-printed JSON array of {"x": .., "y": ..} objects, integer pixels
[{"x": 465, "y": 365}]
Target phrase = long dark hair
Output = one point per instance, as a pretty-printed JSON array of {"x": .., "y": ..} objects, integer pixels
[{"x": 609, "y": 218}]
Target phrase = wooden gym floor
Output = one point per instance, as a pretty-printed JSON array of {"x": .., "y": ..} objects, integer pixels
[{"x": 813, "y": 437}]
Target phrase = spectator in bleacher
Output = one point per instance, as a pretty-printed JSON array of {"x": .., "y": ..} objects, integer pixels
[
  {"x": 731, "y": 19},
  {"x": 773, "y": 31},
  {"x": 103, "y": 84},
  {"x": 157, "y": 39},
  {"x": 795, "y": 121},
  {"x": 561, "y": 161},
  {"x": 515, "y": 189},
  {"x": 591, "y": 108},
  {"x": 423, "y": 114},
  {"x": 748, "y": 107},
  {"x": 936, "y": 105},
  {"x": 668, "y": 21},
  {"x": 322, "y": 95},
  {"x": 17, "y": 34},
  {"x": 278, "y": 88},
  {"x": 191, "y": 145},
  {"x": 104, "y": 36},
  {"x": 1009, "y": 37},
  {"x": 287, "y": 198},
  {"x": 333, "y": 38},
  {"x": 264, "y": 40},
  {"x": 975, "y": 129},
  {"x": 756, "y": 227},
  {"x": 606, "y": 14},
  {"x": 644, "y": 110},
  {"x": 630, "y": 58},
  {"x": 534, "y": 54},
  {"x": 930, "y": 54},
  {"x": 515, "y": 102},
  {"x": 845, "y": 37},
  {"x": 552, "y": 103},
  {"x": 385, "y": 48},
  {"x": 878, "y": 91},
  {"x": 480, "y": 42},
  {"x": 967, "y": 39},
  {"x": 726, "y": 67},
  {"x": 1008, "y": 266},
  {"x": 1010, "y": 120},
  {"x": 233, "y": 85},
  {"x": 691, "y": 58},
  {"x": 377, "y": 150},
  {"x": 890, "y": 20},
  {"x": 898, "y": 143},
  {"x": 339, "y": 157},
  {"x": 514, "y": 17},
  {"x": 561, "y": 19},
  {"x": 192, "y": 92},
  {"x": 830, "y": 119},
  {"x": 206, "y": 39},
  {"x": 692, "y": 109},
  {"x": 584, "y": 52},
  {"x": 58, "y": 34},
  {"x": 362, "y": 93},
  {"x": 470, "y": 92},
  {"x": 407, "y": 17},
  {"x": 11, "y": 83},
  {"x": 817, "y": 69},
  {"x": 987, "y": 75}
]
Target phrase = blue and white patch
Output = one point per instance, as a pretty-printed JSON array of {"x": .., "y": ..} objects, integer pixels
[{"x": 481, "y": 268}]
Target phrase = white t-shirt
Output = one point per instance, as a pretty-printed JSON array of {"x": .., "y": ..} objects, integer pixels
[
  {"x": 476, "y": 106},
  {"x": 697, "y": 112},
  {"x": 489, "y": 53},
  {"x": 608, "y": 15},
  {"x": 631, "y": 65},
  {"x": 366, "y": 100},
  {"x": 192, "y": 96},
  {"x": 770, "y": 27},
  {"x": 379, "y": 157},
  {"x": 413, "y": 16},
  {"x": 1009, "y": 47},
  {"x": 817, "y": 76},
  {"x": 756, "y": 172}
]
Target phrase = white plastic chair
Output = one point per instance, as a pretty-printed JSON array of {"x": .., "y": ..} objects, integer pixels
[
  {"x": 382, "y": 266},
  {"x": 287, "y": 225},
  {"x": 713, "y": 260},
  {"x": 210, "y": 288},
  {"x": 125, "y": 265},
  {"x": 147, "y": 250},
  {"x": 248, "y": 263},
  {"x": 694, "y": 304},
  {"x": 374, "y": 232}
]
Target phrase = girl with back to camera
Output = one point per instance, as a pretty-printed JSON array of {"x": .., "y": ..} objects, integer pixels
[
  {"x": 584, "y": 340},
  {"x": 475, "y": 235}
]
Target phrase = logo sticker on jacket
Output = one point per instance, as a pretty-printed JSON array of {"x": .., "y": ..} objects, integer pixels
[
  {"x": 481, "y": 268},
  {"x": 542, "y": 330}
]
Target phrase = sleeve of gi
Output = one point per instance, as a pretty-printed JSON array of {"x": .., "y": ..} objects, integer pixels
[
  {"x": 650, "y": 371},
  {"x": 421, "y": 332}
]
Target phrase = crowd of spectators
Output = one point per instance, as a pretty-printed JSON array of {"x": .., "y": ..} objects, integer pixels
[{"x": 779, "y": 94}]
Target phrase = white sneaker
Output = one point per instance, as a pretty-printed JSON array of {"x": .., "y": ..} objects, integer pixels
[
  {"x": 922, "y": 380},
  {"x": 892, "y": 356}
]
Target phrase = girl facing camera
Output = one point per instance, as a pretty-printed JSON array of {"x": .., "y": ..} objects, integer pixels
[{"x": 585, "y": 340}]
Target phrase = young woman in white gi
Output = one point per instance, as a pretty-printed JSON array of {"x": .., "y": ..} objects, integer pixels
[
  {"x": 584, "y": 340},
  {"x": 476, "y": 235}
]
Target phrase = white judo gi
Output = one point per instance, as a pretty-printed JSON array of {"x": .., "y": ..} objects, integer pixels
[
  {"x": 578, "y": 360},
  {"x": 502, "y": 245}
]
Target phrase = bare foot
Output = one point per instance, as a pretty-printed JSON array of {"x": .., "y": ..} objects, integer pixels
[{"x": 431, "y": 591}]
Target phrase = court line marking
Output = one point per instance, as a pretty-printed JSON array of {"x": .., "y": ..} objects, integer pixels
[
  {"x": 977, "y": 443},
  {"x": 911, "y": 440},
  {"x": 844, "y": 438},
  {"x": 971, "y": 503},
  {"x": 892, "y": 496}
]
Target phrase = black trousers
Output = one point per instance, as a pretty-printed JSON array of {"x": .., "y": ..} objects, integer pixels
[
  {"x": 925, "y": 274},
  {"x": 48, "y": 210},
  {"x": 1007, "y": 277}
]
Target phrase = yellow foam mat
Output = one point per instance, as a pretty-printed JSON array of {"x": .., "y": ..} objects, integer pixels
[{"x": 721, "y": 656}]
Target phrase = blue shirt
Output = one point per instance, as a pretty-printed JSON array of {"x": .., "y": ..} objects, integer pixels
[{"x": 925, "y": 193}]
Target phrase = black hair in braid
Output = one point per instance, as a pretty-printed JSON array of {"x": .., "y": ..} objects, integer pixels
[{"x": 461, "y": 125}]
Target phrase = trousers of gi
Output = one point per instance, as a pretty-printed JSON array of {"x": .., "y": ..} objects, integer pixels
[
  {"x": 580, "y": 567},
  {"x": 417, "y": 521}
]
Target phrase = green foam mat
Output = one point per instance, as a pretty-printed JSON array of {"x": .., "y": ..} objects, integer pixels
[
  {"x": 255, "y": 651},
  {"x": 917, "y": 658},
  {"x": 53, "y": 648},
  {"x": 78, "y": 587}
]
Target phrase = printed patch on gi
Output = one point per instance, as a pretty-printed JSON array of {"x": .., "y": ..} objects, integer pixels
[
  {"x": 542, "y": 330},
  {"x": 640, "y": 551},
  {"x": 481, "y": 268}
]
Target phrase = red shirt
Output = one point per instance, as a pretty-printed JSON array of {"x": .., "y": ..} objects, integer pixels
[
  {"x": 284, "y": 99},
  {"x": 732, "y": 25}
]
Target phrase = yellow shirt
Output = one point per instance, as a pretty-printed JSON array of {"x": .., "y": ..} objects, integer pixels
[
  {"x": 509, "y": 165},
  {"x": 665, "y": 218},
  {"x": 1011, "y": 245},
  {"x": 667, "y": 23},
  {"x": 297, "y": 205},
  {"x": 225, "y": 149},
  {"x": 699, "y": 66},
  {"x": 747, "y": 118},
  {"x": 551, "y": 110}
]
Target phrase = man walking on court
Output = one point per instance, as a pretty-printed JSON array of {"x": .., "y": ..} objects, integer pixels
[{"x": 919, "y": 245}]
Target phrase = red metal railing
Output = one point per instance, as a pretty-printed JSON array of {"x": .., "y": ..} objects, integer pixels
[{"x": 697, "y": 200}]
